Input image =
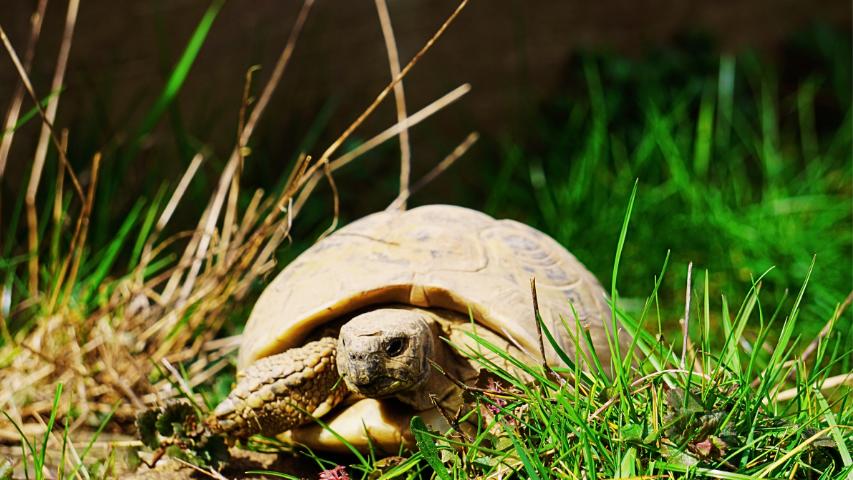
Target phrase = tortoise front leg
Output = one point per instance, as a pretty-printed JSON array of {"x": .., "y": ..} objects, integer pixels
[{"x": 281, "y": 392}]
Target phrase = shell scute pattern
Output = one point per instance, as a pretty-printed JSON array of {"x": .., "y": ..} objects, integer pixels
[
  {"x": 519, "y": 246},
  {"x": 435, "y": 256},
  {"x": 383, "y": 257}
]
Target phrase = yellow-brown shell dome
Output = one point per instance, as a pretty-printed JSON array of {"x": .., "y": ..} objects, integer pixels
[{"x": 432, "y": 256}]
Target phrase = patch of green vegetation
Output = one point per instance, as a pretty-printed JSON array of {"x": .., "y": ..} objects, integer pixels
[
  {"x": 731, "y": 412},
  {"x": 726, "y": 411},
  {"x": 743, "y": 165},
  {"x": 35, "y": 451}
]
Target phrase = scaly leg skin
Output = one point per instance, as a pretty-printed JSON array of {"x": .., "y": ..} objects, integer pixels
[{"x": 269, "y": 391}]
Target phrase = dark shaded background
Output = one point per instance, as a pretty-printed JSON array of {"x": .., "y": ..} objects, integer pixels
[
  {"x": 522, "y": 58},
  {"x": 514, "y": 53}
]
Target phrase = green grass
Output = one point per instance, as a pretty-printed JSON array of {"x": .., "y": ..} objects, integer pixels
[
  {"x": 35, "y": 451},
  {"x": 720, "y": 419},
  {"x": 729, "y": 414},
  {"x": 743, "y": 165},
  {"x": 31, "y": 447}
]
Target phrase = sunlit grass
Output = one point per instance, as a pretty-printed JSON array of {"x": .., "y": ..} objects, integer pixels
[
  {"x": 733, "y": 412},
  {"x": 743, "y": 166},
  {"x": 726, "y": 407}
]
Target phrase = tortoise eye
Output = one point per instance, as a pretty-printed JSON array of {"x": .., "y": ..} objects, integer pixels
[{"x": 395, "y": 347}]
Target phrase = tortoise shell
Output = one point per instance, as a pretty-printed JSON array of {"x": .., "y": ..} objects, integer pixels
[{"x": 433, "y": 256}]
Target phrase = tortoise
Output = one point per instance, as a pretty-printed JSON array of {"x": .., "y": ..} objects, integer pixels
[{"x": 360, "y": 329}]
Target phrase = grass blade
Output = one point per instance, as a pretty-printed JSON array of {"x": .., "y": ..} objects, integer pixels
[
  {"x": 42, "y": 454},
  {"x": 176, "y": 78},
  {"x": 426, "y": 445},
  {"x": 526, "y": 460}
]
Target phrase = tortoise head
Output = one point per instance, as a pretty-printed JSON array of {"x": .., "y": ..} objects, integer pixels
[{"x": 385, "y": 351}]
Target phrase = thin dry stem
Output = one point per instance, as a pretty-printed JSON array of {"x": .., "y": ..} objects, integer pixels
[
  {"x": 182, "y": 384},
  {"x": 57, "y": 206},
  {"x": 8, "y": 132},
  {"x": 166, "y": 215},
  {"x": 205, "y": 237},
  {"x": 41, "y": 147},
  {"x": 685, "y": 323},
  {"x": 399, "y": 100},
  {"x": 296, "y": 173},
  {"x": 442, "y": 166},
  {"x": 449, "y": 418},
  {"x": 186, "y": 259},
  {"x": 32, "y": 236},
  {"x": 78, "y": 241},
  {"x": 249, "y": 217},
  {"x": 277, "y": 72},
  {"x": 210, "y": 472},
  {"x": 229, "y": 222},
  {"x": 84, "y": 227},
  {"x": 233, "y": 162},
  {"x": 826, "y": 328},
  {"x": 58, "y": 79},
  {"x": 178, "y": 194},
  {"x": 536, "y": 318},
  {"x": 828, "y": 384},
  {"x": 25, "y": 80},
  {"x": 377, "y": 140},
  {"x": 336, "y": 202},
  {"x": 413, "y": 120},
  {"x": 384, "y": 93}
]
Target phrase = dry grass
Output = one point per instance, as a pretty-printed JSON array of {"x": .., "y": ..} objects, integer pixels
[
  {"x": 120, "y": 355},
  {"x": 399, "y": 100},
  {"x": 18, "y": 96}
]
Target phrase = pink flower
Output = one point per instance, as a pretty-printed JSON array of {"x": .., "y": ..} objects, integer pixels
[
  {"x": 337, "y": 473},
  {"x": 499, "y": 402},
  {"x": 495, "y": 408}
]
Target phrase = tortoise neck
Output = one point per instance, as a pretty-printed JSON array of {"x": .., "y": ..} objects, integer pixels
[{"x": 445, "y": 391}]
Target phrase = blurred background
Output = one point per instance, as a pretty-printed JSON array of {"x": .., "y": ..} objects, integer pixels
[{"x": 733, "y": 117}]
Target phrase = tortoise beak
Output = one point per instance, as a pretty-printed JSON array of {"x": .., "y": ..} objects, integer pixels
[
  {"x": 361, "y": 376},
  {"x": 371, "y": 380}
]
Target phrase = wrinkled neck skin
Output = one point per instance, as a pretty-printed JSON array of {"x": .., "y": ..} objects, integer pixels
[{"x": 447, "y": 394}]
